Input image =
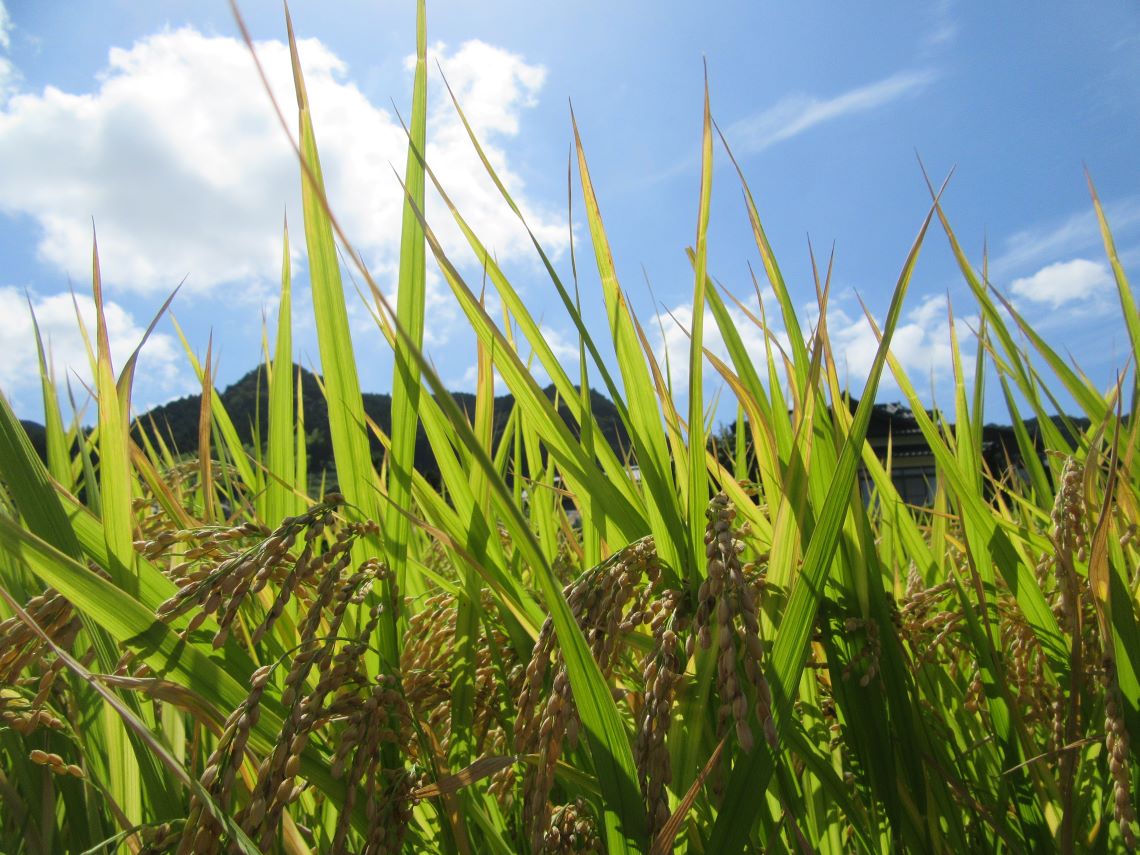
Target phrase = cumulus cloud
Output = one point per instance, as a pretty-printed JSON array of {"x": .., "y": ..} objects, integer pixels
[
  {"x": 489, "y": 82},
  {"x": 159, "y": 373},
  {"x": 1077, "y": 281},
  {"x": 562, "y": 345},
  {"x": 671, "y": 343},
  {"x": 921, "y": 343},
  {"x": 178, "y": 157}
]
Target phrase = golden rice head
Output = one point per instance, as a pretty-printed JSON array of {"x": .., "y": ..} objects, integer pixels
[
  {"x": 1027, "y": 672},
  {"x": 1069, "y": 537},
  {"x": 217, "y": 575},
  {"x": 1117, "y": 744},
  {"x": 427, "y": 661},
  {"x": 865, "y": 661},
  {"x": 607, "y": 603},
  {"x": 572, "y": 830},
  {"x": 727, "y": 607},
  {"x": 661, "y": 668},
  {"x": 21, "y": 647}
]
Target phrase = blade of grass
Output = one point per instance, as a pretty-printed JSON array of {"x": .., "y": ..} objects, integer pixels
[
  {"x": 410, "y": 293},
  {"x": 1124, "y": 291},
  {"x": 301, "y": 470},
  {"x": 698, "y": 487},
  {"x": 356, "y": 477},
  {"x": 114, "y": 467},
  {"x": 86, "y": 442},
  {"x": 772, "y": 269},
  {"x": 592, "y": 517},
  {"x": 205, "y": 455},
  {"x": 58, "y": 458},
  {"x": 220, "y": 418},
  {"x": 666, "y": 518},
  {"x": 280, "y": 499},
  {"x": 665, "y": 840},
  {"x": 1042, "y": 493},
  {"x": 752, "y": 772},
  {"x": 116, "y": 491}
]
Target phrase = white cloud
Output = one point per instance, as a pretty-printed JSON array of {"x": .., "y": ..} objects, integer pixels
[
  {"x": 564, "y": 347},
  {"x": 489, "y": 82},
  {"x": 921, "y": 343},
  {"x": 671, "y": 342},
  {"x": 178, "y": 157},
  {"x": 795, "y": 114},
  {"x": 492, "y": 86},
  {"x": 157, "y": 377},
  {"x": 1076, "y": 281}
]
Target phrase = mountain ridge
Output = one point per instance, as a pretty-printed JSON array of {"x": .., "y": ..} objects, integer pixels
[{"x": 247, "y": 399}]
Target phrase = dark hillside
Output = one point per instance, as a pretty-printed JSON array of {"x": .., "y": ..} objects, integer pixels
[
  {"x": 247, "y": 403},
  {"x": 37, "y": 435}
]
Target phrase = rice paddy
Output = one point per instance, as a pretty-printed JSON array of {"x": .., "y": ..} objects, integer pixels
[{"x": 562, "y": 646}]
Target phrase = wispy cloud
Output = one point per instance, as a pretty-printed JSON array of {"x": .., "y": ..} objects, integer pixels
[
  {"x": 1032, "y": 248},
  {"x": 9, "y": 76},
  {"x": 5, "y": 27},
  {"x": 795, "y": 114},
  {"x": 945, "y": 26}
]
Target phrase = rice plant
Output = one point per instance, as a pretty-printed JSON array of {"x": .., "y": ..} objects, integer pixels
[{"x": 560, "y": 648}]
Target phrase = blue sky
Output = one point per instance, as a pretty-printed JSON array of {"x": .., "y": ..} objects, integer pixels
[{"x": 149, "y": 119}]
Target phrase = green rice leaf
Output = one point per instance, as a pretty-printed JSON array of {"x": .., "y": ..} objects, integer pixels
[
  {"x": 698, "y": 487},
  {"x": 280, "y": 499},
  {"x": 666, "y": 518},
  {"x": 58, "y": 458},
  {"x": 412, "y": 287},
  {"x": 751, "y": 773},
  {"x": 356, "y": 477}
]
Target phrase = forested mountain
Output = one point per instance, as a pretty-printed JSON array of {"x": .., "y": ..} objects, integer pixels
[{"x": 247, "y": 402}]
